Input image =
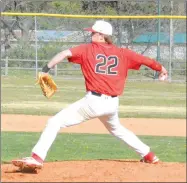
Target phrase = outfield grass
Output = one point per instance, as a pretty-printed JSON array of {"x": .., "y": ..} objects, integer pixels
[
  {"x": 89, "y": 147},
  {"x": 20, "y": 95}
]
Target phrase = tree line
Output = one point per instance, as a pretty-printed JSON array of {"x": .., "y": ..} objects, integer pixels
[{"x": 118, "y": 7}]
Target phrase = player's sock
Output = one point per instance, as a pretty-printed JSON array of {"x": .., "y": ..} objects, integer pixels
[{"x": 37, "y": 158}]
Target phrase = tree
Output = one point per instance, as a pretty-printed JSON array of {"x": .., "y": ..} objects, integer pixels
[
  {"x": 24, "y": 24},
  {"x": 131, "y": 28}
]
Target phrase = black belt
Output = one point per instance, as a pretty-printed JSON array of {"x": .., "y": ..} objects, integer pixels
[{"x": 98, "y": 94}]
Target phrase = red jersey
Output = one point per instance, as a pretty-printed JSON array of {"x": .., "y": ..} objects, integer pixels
[{"x": 105, "y": 66}]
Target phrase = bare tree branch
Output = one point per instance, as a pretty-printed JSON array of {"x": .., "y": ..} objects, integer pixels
[{"x": 10, "y": 29}]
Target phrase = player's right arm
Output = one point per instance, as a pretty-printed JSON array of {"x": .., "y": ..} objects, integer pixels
[{"x": 135, "y": 61}]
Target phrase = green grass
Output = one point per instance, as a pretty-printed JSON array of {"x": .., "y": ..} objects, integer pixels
[
  {"x": 153, "y": 99},
  {"x": 71, "y": 70},
  {"x": 90, "y": 147}
]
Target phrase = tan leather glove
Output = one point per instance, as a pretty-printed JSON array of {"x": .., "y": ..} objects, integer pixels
[{"x": 47, "y": 84}]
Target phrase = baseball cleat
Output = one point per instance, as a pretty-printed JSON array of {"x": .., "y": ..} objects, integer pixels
[
  {"x": 27, "y": 163},
  {"x": 150, "y": 158}
]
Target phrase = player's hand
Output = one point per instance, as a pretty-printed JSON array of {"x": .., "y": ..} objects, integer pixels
[
  {"x": 163, "y": 75},
  {"x": 43, "y": 73}
]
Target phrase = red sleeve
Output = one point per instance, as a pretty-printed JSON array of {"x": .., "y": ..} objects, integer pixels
[
  {"x": 135, "y": 61},
  {"x": 77, "y": 54}
]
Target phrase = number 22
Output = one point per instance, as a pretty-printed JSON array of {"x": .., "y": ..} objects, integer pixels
[{"x": 103, "y": 63}]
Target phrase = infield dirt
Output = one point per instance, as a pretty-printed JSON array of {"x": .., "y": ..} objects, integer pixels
[{"x": 98, "y": 170}]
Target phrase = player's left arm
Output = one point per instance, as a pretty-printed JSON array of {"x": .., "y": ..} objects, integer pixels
[
  {"x": 45, "y": 81},
  {"x": 72, "y": 54},
  {"x": 57, "y": 59}
]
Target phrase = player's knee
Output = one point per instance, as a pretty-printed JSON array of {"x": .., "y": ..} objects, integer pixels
[
  {"x": 116, "y": 128},
  {"x": 52, "y": 122}
]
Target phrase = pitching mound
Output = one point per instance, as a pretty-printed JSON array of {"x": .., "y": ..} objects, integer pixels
[{"x": 99, "y": 171}]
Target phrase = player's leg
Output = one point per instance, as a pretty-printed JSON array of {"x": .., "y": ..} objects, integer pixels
[
  {"x": 88, "y": 107},
  {"x": 114, "y": 126},
  {"x": 72, "y": 115}
]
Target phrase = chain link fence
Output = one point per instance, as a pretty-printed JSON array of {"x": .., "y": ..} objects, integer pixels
[{"x": 28, "y": 43}]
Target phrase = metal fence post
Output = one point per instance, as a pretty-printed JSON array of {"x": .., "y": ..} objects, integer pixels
[
  {"x": 170, "y": 42},
  {"x": 55, "y": 70},
  {"x": 36, "y": 46},
  {"x": 158, "y": 37},
  {"x": 6, "y": 66}
]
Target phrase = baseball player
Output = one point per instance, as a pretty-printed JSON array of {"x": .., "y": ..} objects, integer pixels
[{"x": 105, "y": 68}]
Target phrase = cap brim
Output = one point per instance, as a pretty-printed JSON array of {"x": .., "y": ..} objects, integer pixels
[{"x": 89, "y": 29}]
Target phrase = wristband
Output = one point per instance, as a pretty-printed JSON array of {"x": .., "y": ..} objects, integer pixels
[{"x": 45, "y": 69}]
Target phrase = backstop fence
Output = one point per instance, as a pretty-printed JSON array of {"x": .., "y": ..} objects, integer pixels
[{"x": 153, "y": 28}]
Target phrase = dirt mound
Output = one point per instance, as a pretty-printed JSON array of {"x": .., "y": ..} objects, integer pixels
[
  {"x": 103, "y": 170},
  {"x": 99, "y": 171}
]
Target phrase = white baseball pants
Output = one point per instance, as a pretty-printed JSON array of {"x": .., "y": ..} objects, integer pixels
[{"x": 103, "y": 107}]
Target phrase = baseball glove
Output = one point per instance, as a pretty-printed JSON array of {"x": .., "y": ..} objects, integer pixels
[{"x": 47, "y": 84}]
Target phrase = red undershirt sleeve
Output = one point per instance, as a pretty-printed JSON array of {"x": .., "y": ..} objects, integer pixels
[{"x": 135, "y": 61}]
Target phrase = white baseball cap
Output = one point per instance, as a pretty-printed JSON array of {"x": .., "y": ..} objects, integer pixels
[{"x": 101, "y": 26}]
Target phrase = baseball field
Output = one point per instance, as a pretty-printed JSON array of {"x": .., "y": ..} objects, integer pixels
[{"x": 155, "y": 111}]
